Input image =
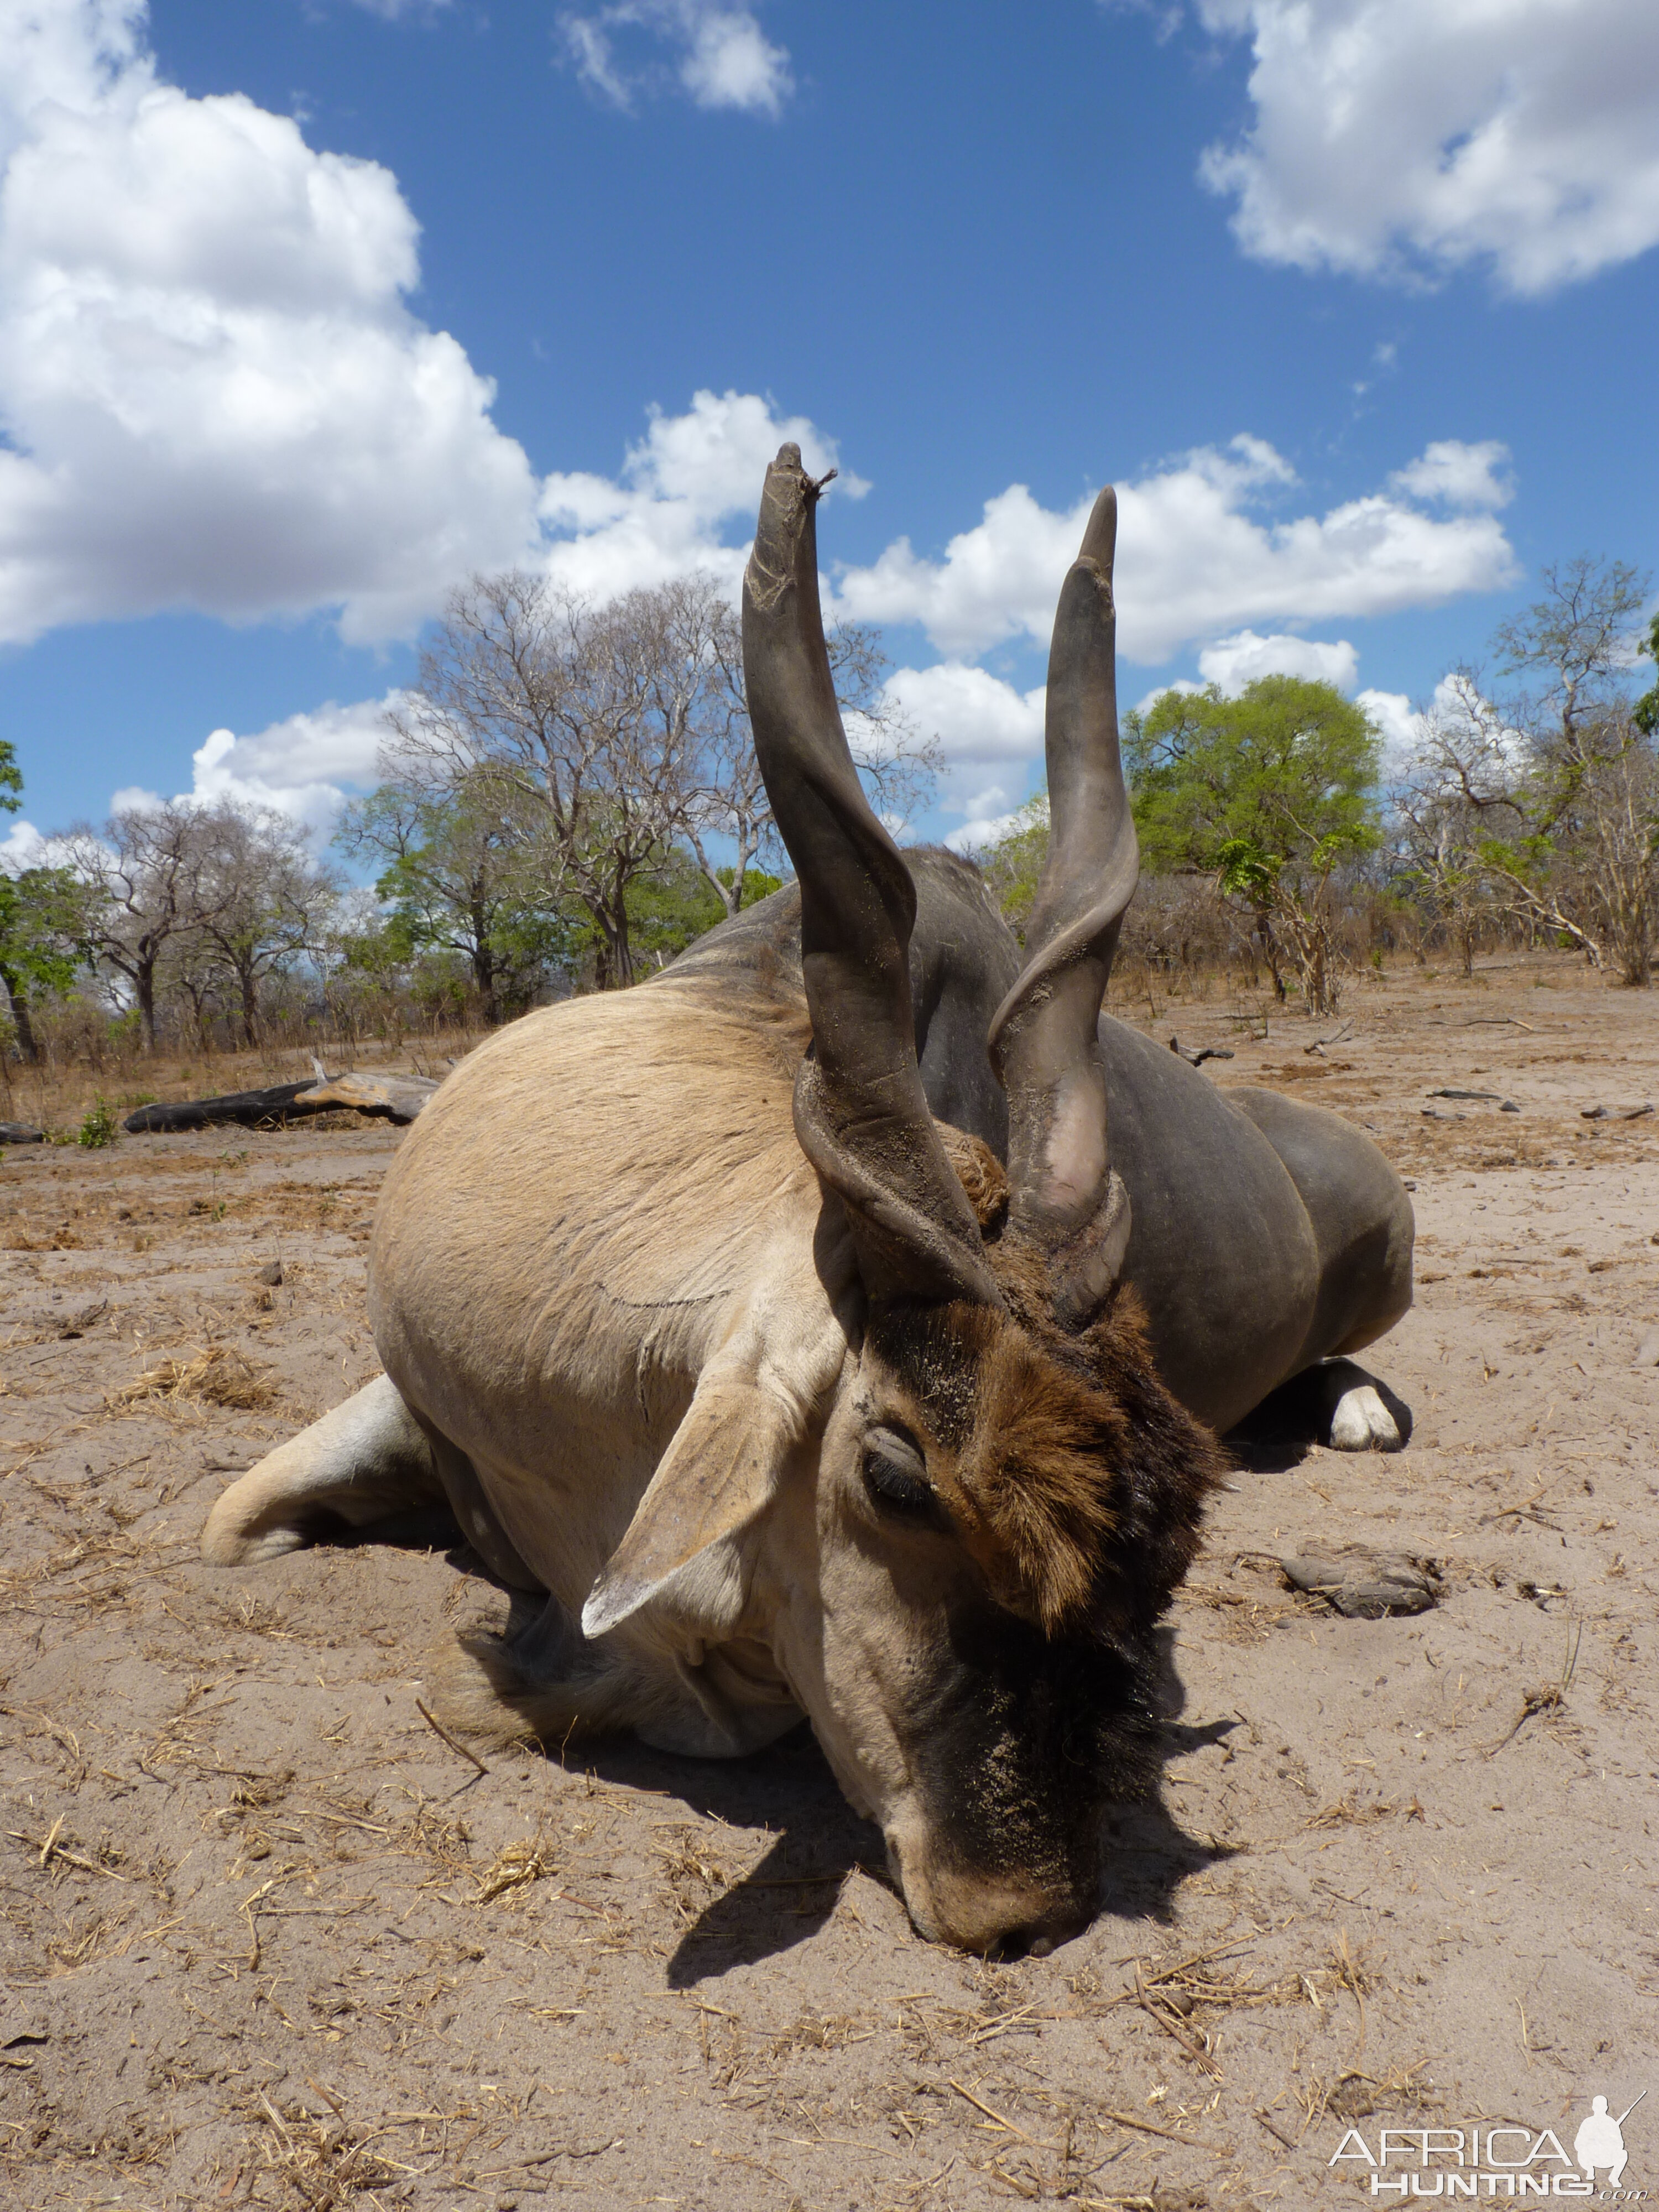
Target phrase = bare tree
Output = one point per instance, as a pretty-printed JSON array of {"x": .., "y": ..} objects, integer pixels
[
  {"x": 262, "y": 898},
  {"x": 1572, "y": 651},
  {"x": 589, "y": 717},
  {"x": 1544, "y": 805},
  {"x": 146, "y": 873},
  {"x": 619, "y": 731},
  {"x": 1456, "y": 806}
]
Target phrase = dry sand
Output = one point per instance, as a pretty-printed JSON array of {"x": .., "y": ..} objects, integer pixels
[{"x": 269, "y": 1939}]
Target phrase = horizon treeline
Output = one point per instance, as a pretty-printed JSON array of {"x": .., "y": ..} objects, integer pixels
[{"x": 569, "y": 797}]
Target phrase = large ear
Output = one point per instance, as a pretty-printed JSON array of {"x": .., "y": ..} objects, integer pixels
[
  {"x": 1044, "y": 1040},
  {"x": 763, "y": 1389},
  {"x": 719, "y": 1472}
]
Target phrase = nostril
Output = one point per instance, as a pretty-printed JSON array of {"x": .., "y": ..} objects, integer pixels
[{"x": 1037, "y": 1939}]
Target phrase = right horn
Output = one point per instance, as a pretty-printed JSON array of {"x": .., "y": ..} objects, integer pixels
[{"x": 1044, "y": 1039}]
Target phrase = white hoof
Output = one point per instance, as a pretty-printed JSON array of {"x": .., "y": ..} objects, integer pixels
[{"x": 1363, "y": 1423}]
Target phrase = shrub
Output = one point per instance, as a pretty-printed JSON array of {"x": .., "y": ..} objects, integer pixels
[{"x": 100, "y": 1128}]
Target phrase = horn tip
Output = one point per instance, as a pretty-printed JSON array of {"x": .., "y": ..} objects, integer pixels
[{"x": 1100, "y": 534}]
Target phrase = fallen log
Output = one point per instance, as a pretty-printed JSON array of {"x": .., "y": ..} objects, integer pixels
[
  {"x": 396, "y": 1098},
  {"x": 21, "y": 1132},
  {"x": 1204, "y": 1052}
]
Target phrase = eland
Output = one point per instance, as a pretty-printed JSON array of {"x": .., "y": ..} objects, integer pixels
[{"x": 841, "y": 1323}]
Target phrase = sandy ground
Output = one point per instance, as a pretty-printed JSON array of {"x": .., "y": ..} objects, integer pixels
[{"x": 268, "y": 1939}]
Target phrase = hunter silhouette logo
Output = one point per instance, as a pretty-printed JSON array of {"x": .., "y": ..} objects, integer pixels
[
  {"x": 1504, "y": 2161},
  {"x": 1600, "y": 2141}
]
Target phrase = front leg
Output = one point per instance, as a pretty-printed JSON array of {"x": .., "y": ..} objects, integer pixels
[{"x": 366, "y": 1466}]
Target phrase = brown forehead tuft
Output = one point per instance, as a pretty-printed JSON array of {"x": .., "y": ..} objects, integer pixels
[{"x": 1078, "y": 1483}]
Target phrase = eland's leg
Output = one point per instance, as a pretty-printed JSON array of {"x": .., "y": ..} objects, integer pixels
[
  {"x": 367, "y": 1467},
  {"x": 1364, "y": 1228},
  {"x": 1361, "y": 1413}
]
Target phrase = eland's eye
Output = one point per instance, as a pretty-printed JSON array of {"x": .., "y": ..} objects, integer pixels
[{"x": 896, "y": 1474}]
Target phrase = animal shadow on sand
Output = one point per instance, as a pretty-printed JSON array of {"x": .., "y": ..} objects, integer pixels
[{"x": 788, "y": 1791}]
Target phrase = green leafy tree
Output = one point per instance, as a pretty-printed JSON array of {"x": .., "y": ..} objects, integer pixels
[
  {"x": 1645, "y": 712},
  {"x": 1271, "y": 795},
  {"x": 1012, "y": 864},
  {"x": 463, "y": 874},
  {"x": 43, "y": 942},
  {"x": 671, "y": 907},
  {"x": 43, "y": 924}
]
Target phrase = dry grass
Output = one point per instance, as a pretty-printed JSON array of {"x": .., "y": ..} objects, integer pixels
[
  {"x": 218, "y": 1376},
  {"x": 513, "y": 1869},
  {"x": 1352, "y": 1812},
  {"x": 325, "y": 2165},
  {"x": 1352, "y": 2095}
]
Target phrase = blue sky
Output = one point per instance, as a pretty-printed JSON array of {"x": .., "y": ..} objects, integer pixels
[{"x": 308, "y": 307}]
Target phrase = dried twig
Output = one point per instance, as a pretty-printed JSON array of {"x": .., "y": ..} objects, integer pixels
[
  {"x": 454, "y": 1742},
  {"x": 1550, "y": 1698},
  {"x": 51, "y": 1849},
  {"x": 1151, "y": 2128},
  {"x": 979, "y": 2106}
]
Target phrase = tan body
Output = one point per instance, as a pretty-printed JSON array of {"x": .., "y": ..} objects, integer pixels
[
  {"x": 604, "y": 1214},
  {"x": 602, "y": 1201}
]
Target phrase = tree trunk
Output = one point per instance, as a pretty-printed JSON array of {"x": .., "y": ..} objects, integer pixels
[
  {"x": 244, "y": 976},
  {"x": 483, "y": 968},
  {"x": 623, "y": 952},
  {"x": 144, "y": 978},
  {"x": 26, "y": 1046}
]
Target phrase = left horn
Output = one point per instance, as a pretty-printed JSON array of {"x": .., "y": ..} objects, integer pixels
[
  {"x": 1044, "y": 1039},
  {"x": 860, "y": 1113}
]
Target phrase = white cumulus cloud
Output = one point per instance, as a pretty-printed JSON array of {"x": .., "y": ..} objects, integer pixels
[
  {"x": 1458, "y": 474},
  {"x": 975, "y": 717},
  {"x": 984, "y": 825},
  {"x": 1232, "y": 662},
  {"x": 718, "y": 54},
  {"x": 1401, "y": 727},
  {"x": 1394, "y": 137},
  {"x": 988, "y": 735},
  {"x": 1194, "y": 559},
  {"x": 306, "y": 766},
  {"x": 212, "y": 392},
  {"x": 678, "y": 491},
  {"x": 22, "y": 847}
]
